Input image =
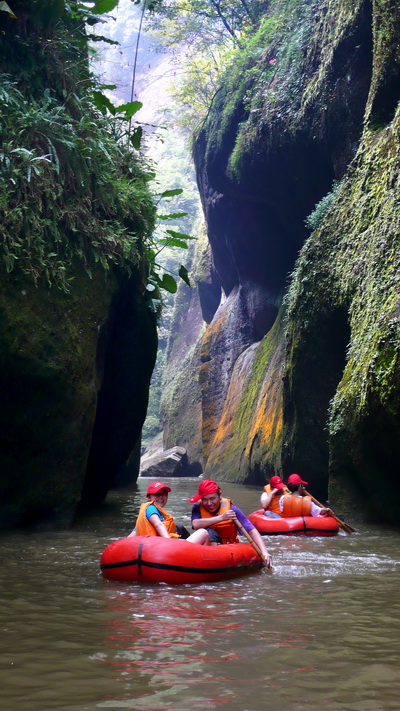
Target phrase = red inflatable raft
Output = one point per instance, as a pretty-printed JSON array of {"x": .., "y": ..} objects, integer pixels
[
  {"x": 307, "y": 525},
  {"x": 151, "y": 559}
]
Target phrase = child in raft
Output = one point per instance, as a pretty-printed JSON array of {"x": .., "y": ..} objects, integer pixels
[
  {"x": 271, "y": 496},
  {"x": 154, "y": 520}
]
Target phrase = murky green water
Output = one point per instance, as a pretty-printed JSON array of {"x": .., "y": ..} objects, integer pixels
[{"x": 322, "y": 633}]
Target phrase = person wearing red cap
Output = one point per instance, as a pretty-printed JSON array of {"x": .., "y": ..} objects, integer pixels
[
  {"x": 297, "y": 503},
  {"x": 271, "y": 495},
  {"x": 216, "y": 514},
  {"x": 154, "y": 520}
]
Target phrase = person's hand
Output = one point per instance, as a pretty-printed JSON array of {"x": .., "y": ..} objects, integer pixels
[
  {"x": 326, "y": 512},
  {"x": 228, "y": 515},
  {"x": 267, "y": 560},
  {"x": 274, "y": 491}
]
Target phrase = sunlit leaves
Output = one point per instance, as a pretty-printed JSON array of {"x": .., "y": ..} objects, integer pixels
[
  {"x": 171, "y": 193},
  {"x": 104, "y": 104},
  {"x": 129, "y": 109},
  {"x": 102, "y": 6},
  {"x": 172, "y": 216},
  {"x": 179, "y": 235}
]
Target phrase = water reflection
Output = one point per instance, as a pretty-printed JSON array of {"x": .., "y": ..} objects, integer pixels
[{"x": 173, "y": 640}]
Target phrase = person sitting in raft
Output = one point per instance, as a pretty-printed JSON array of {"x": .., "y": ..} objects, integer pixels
[
  {"x": 271, "y": 495},
  {"x": 296, "y": 503},
  {"x": 217, "y": 514},
  {"x": 154, "y": 520}
]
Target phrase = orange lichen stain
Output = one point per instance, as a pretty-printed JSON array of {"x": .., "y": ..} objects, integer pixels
[
  {"x": 225, "y": 427},
  {"x": 212, "y": 332},
  {"x": 226, "y": 432},
  {"x": 267, "y": 422}
]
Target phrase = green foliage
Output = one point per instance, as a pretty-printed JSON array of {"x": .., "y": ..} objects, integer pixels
[
  {"x": 67, "y": 188},
  {"x": 204, "y": 22},
  {"x": 159, "y": 275},
  {"x": 203, "y": 33},
  {"x": 315, "y": 218},
  {"x": 70, "y": 184}
]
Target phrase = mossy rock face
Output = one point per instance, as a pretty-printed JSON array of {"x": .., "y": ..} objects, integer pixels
[
  {"x": 247, "y": 442},
  {"x": 311, "y": 99},
  {"x": 348, "y": 274}
]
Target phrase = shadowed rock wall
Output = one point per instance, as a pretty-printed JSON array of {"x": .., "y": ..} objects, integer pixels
[{"x": 64, "y": 393}]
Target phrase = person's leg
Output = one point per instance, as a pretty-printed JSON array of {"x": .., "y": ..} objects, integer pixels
[
  {"x": 200, "y": 536},
  {"x": 271, "y": 514}
]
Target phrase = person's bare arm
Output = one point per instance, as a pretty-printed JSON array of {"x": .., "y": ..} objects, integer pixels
[
  {"x": 159, "y": 526},
  {"x": 267, "y": 498}
]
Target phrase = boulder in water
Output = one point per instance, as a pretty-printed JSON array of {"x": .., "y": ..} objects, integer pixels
[{"x": 164, "y": 463}]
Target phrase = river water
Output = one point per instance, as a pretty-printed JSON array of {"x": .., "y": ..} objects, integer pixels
[{"x": 322, "y": 632}]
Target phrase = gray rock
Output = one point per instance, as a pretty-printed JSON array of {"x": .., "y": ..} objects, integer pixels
[{"x": 164, "y": 463}]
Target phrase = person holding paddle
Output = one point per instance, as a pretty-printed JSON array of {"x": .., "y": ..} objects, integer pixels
[
  {"x": 297, "y": 503},
  {"x": 221, "y": 519}
]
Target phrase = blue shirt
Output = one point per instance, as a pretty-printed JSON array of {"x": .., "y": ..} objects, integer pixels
[{"x": 153, "y": 510}]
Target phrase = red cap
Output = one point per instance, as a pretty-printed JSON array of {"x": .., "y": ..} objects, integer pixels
[
  {"x": 295, "y": 479},
  {"x": 276, "y": 482},
  {"x": 157, "y": 486},
  {"x": 207, "y": 486}
]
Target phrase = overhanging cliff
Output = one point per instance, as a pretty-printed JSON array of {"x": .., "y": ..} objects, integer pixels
[{"x": 312, "y": 99}]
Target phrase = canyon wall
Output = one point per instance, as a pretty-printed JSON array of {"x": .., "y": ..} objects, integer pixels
[{"x": 299, "y": 365}]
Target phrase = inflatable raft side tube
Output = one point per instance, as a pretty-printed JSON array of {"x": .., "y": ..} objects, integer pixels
[{"x": 177, "y": 568}]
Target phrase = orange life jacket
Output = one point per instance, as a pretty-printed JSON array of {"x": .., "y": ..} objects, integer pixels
[
  {"x": 145, "y": 528},
  {"x": 226, "y": 529},
  {"x": 294, "y": 506},
  {"x": 274, "y": 503}
]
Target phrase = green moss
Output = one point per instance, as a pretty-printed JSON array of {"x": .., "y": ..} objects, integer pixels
[
  {"x": 76, "y": 218},
  {"x": 353, "y": 262}
]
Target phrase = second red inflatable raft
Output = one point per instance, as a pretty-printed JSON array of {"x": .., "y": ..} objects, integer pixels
[{"x": 307, "y": 525}]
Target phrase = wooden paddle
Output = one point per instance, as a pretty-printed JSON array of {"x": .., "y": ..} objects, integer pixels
[
  {"x": 342, "y": 524},
  {"x": 252, "y": 543}
]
